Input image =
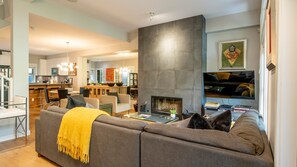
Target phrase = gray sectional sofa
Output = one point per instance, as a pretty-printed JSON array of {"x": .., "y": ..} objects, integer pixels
[{"x": 119, "y": 142}]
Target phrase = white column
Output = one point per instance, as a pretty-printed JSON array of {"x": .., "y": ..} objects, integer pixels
[
  {"x": 20, "y": 50},
  {"x": 83, "y": 67},
  {"x": 286, "y": 41},
  {"x": 20, "y": 47}
]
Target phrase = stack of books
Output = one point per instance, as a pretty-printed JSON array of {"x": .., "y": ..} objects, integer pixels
[{"x": 211, "y": 105}]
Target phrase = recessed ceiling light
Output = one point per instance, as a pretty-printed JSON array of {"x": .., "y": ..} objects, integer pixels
[{"x": 151, "y": 15}]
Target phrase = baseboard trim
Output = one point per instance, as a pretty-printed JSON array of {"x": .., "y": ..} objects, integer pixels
[{"x": 12, "y": 136}]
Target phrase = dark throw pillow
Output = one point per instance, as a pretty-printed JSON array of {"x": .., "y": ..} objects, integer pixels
[
  {"x": 198, "y": 122},
  {"x": 114, "y": 94},
  {"x": 76, "y": 101},
  {"x": 223, "y": 121}
]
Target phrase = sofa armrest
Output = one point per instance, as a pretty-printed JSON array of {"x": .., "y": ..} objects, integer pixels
[
  {"x": 124, "y": 98},
  {"x": 93, "y": 101},
  {"x": 109, "y": 99},
  {"x": 37, "y": 135}
]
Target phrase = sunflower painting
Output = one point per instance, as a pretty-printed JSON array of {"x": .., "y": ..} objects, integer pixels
[{"x": 232, "y": 54}]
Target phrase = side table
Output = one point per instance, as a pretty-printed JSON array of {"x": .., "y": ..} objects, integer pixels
[{"x": 106, "y": 107}]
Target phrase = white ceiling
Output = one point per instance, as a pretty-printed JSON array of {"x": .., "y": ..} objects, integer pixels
[
  {"x": 133, "y": 14},
  {"x": 48, "y": 37}
]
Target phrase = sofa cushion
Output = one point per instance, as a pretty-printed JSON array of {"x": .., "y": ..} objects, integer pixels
[
  {"x": 180, "y": 124},
  {"x": 57, "y": 109},
  {"x": 247, "y": 128},
  {"x": 223, "y": 121},
  {"x": 127, "y": 123},
  {"x": 114, "y": 94},
  {"x": 76, "y": 101},
  {"x": 208, "y": 137},
  {"x": 198, "y": 122}
]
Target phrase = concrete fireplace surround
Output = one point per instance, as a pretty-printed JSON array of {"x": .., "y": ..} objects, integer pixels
[{"x": 172, "y": 57}]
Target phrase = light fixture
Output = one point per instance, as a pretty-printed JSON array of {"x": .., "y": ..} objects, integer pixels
[
  {"x": 66, "y": 67},
  {"x": 152, "y": 14}
]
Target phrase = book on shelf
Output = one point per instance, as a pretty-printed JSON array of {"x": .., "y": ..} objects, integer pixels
[
  {"x": 241, "y": 108},
  {"x": 225, "y": 107}
]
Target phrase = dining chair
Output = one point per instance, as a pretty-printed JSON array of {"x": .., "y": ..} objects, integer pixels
[
  {"x": 85, "y": 92},
  {"x": 62, "y": 93},
  {"x": 50, "y": 101}
]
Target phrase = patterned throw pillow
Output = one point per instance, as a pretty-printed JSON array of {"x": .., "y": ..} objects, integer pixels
[
  {"x": 223, "y": 121},
  {"x": 198, "y": 122}
]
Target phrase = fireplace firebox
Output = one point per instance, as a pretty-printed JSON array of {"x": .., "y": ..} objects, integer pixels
[{"x": 163, "y": 105}]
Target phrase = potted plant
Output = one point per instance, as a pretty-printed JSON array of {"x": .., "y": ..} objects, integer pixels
[{"x": 173, "y": 113}]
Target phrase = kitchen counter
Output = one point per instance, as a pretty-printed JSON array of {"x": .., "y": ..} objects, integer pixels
[
  {"x": 36, "y": 93},
  {"x": 47, "y": 84}
]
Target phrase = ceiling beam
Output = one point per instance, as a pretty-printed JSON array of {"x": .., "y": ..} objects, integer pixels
[{"x": 74, "y": 18}]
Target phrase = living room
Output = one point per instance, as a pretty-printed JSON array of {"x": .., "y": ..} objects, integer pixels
[{"x": 277, "y": 97}]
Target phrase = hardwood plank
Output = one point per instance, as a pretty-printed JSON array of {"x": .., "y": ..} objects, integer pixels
[{"x": 17, "y": 153}]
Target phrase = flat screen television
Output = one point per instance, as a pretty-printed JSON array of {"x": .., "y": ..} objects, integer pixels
[{"x": 235, "y": 84}]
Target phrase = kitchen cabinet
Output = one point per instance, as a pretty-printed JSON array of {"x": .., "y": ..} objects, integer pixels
[{"x": 133, "y": 79}]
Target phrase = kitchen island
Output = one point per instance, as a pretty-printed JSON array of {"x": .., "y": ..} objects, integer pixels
[{"x": 36, "y": 93}]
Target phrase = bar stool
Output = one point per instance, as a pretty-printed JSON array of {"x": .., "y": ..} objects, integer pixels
[
  {"x": 62, "y": 93},
  {"x": 50, "y": 101}
]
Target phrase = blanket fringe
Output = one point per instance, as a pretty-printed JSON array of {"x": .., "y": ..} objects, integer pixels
[{"x": 75, "y": 152}]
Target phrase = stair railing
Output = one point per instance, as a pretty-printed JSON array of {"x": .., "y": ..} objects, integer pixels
[{"x": 5, "y": 83}]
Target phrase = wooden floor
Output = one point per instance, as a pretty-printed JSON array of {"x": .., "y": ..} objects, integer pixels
[{"x": 16, "y": 153}]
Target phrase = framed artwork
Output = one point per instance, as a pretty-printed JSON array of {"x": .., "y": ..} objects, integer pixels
[
  {"x": 232, "y": 54},
  {"x": 110, "y": 74},
  {"x": 55, "y": 71},
  {"x": 270, "y": 60}
]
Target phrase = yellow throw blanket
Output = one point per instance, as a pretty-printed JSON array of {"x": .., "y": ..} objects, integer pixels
[{"x": 75, "y": 132}]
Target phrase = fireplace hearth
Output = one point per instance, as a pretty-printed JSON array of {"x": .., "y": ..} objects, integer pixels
[{"x": 163, "y": 105}]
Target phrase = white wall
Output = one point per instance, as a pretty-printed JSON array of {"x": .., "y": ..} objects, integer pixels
[
  {"x": 53, "y": 63},
  {"x": 234, "y": 21},
  {"x": 118, "y": 64},
  {"x": 5, "y": 60},
  {"x": 35, "y": 59},
  {"x": 282, "y": 84},
  {"x": 242, "y": 30}
]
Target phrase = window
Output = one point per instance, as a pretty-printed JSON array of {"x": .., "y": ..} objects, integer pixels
[
  {"x": 99, "y": 75},
  {"x": 32, "y": 74}
]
